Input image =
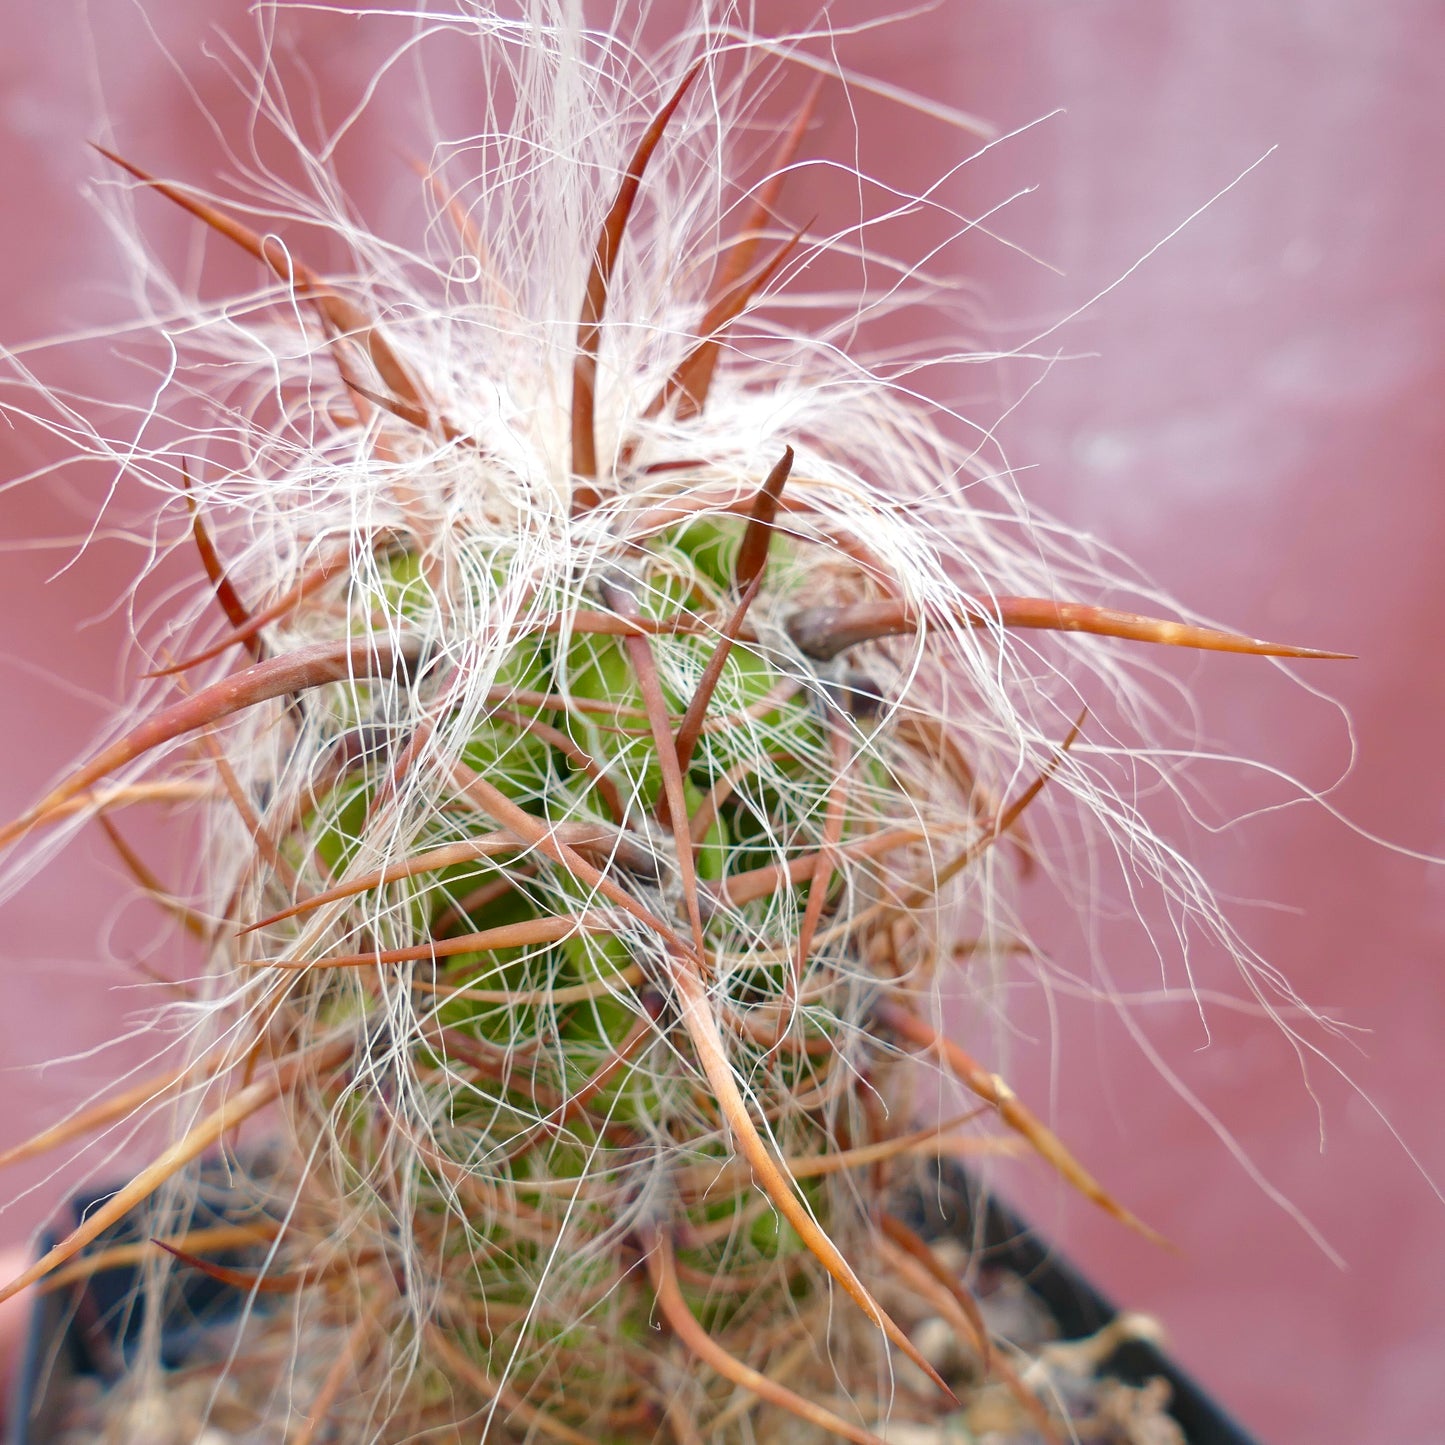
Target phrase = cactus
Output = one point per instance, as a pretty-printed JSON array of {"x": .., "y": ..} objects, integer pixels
[{"x": 614, "y": 715}]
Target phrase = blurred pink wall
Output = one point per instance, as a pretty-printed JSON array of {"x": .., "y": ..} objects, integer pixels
[{"x": 1253, "y": 416}]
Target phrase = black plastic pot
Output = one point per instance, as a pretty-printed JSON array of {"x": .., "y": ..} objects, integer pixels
[
  {"x": 1001, "y": 1239},
  {"x": 90, "y": 1329}
]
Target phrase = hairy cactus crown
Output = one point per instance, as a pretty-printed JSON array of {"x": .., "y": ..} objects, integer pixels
[{"x": 615, "y": 705}]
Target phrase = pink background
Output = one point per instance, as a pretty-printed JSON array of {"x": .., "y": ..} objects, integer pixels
[{"x": 1254, "y": 416}]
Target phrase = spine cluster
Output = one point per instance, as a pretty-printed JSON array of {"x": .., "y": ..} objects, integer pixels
[{"x": 618, "y": 711}]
